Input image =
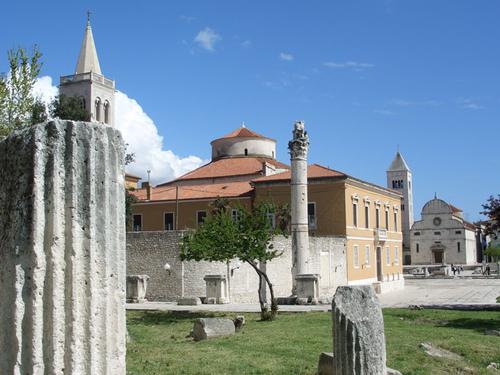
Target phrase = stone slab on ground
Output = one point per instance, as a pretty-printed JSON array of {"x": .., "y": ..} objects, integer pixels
[
  {"x": 325, "y": 364},
  {"x": 189, "y": 301},
  {"x": 209, "y": 328},
  {"x": 437, "y": 352}
]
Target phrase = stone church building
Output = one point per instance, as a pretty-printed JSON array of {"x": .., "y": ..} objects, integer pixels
[{"x": 442, "y": 236}]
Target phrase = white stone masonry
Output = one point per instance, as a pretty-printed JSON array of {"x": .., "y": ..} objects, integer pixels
[{"x": 62, "y": 250}]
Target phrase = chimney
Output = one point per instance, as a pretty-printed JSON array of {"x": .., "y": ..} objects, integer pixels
[{"x": 147, "y": 186}]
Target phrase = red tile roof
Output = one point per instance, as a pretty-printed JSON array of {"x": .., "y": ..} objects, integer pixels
[
  {"x": 206, "y": 191},
  {"x": 243, "y": 133},
  {"x": 229, "y": 167},
  {"x": 313, "y": 171},
  {"x": 469, "y": 225},
  {"x": 454, "y": 209}
]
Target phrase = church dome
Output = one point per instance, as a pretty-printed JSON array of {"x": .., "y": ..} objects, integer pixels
[
  {"x": 243, "y": 142},
  {"x": 437, "y": 206}
]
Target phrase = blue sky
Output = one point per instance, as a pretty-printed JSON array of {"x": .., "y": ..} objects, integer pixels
[{"x": 365, "y": 76}]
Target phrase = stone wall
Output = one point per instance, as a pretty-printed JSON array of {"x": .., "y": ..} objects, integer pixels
[{"x": 148, "y": 252}]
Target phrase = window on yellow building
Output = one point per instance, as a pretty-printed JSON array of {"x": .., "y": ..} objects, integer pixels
[
  {"x": 387, "y": 219},
  {"x": 388, "y": 256},
  {"x": 367, "y": 255},
  {"x": 355, "y": 214},
  {"x": 395, "y": 221},
  {"x": 311, "y": 215},
  {"x": 200, "y": 217},
  {"x": 377, "y": 217},
  {"x": 137, "y": 226},
  {"x": 396, "y": 255},
  {"x": 169, "y": 220},
  {"x": 367, "y": 217},
  {"x": 356, "y": 256}
]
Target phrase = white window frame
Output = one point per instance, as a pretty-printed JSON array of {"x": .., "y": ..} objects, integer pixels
[
  {"x": 395, "y": 219},
  {"x": 387, "y": 256},
  {"x": 377, "y": 217},
  {"x": 387, "y": 219},
  {"x": 142, "y": 222},
  {"x": 312, "y": 225},
  {"x": 355, "y": 210},
  {"x": 235, "y": 214},
  {"x": 272, "y": 216},
  {"x": 367, "y": 216},
  {"x": 164, "y": 221},
  {"x": 355, "y": 250},
  {"x": 396, "y": 256},
  {"x": 196, "y": 217},
  {"x": 367, "y": 256}
]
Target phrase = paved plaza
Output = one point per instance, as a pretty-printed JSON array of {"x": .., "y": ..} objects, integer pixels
[{"x": 416, "y": 292}]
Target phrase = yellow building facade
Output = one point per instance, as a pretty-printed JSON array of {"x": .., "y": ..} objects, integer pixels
[{"x": 366, "y": 215}]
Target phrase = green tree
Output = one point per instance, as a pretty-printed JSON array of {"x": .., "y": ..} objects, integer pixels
[
  {"x": 69, "y": 108},
  {"x": 492, "y": 212},
  {"x": 247, "y": 237},
  {"x": 18, "y": 106}
]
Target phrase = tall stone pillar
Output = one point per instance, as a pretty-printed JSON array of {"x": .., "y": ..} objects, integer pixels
[
  {"x": 298, "y": 148},
  {"x": 62, "y": 250}
]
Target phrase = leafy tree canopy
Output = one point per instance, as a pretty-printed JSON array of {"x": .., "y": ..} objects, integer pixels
[
  {"x": 246, "y": 236},
  {"x": 492, "y": 211},
  {"x": 18, "y": 106},
  {"x": 69, "y": 108}
]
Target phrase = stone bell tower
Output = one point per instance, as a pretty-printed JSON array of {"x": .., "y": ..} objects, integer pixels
[
  {"x": 399, "y": 178},
  {"x": 97, "y": 93}
]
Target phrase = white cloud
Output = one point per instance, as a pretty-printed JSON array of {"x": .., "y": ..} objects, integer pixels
[
  {"x": 469, "y": 103},
  {"x": 383, "y": 112},
  {"x": 44, "y": 89},
  {"x": 207, "y": 38},
  {"x": 348, "y": 65},
  {"x": 246, "y": 43},
  {"x": 286, "y": 56},
  {"x": 185, "y": 18},
  {"x": 408, "y": 103},
  {"x": 141, "y": 134}
]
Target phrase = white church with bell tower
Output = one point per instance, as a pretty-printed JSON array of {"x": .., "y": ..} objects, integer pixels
[
  {"x": 399, "y": 178},
  {"x": 97, "y": 93}
]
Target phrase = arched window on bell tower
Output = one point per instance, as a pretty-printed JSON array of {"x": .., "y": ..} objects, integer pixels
[
  {"x": 98, "y": 109},
  {"x": 107, "y": 112}
]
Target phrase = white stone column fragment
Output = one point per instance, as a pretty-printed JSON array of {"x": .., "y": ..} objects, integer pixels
[
  {"x": 358, "y": 332},
  {"x": 298, "y": 148},
  {"x": 62, "y": 250}
]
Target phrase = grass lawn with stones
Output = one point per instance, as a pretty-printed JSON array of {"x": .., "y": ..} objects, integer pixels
[{"x": 292, "y": 343}]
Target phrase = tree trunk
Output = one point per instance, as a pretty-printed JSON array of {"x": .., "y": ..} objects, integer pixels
[{"x": 263, "y": 308}]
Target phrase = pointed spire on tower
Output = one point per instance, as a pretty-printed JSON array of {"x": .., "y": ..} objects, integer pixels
[
  {"x": 87, "y": 60},
  {"x": 399, "y": 163}
]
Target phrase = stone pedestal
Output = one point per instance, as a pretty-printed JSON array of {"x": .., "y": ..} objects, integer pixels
[
  {"x": 62, "y": 250},
  {"x": 216, "y": 288},
  {"x": 136, "y": 288},
  {"x": 307, "y": 287}
]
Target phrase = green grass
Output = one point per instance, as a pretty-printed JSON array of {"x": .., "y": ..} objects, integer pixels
[{"x": 292, "y": 343}]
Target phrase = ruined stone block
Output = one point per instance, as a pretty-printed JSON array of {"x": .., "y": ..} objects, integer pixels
[
  {"x": 62, "y": 250},
  {"x": 358, "y": 332}
]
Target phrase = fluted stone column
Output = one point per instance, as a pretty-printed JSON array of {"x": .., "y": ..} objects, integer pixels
[
  {"x": 62, "y": 250},
  {"x": 306, "y": 284},
  {"x": 298, "y": 148},
  {"x": 358, "y": 332}
]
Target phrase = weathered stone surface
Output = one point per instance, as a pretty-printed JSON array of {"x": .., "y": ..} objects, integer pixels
[
  {"x": 239, "y": 322},
  {"x": 208, "y": 328},
  {"x": 436, "y": 351},
  {"x": 493, "y": 366},
  {"x": 358, "y": 332},
  {"x": 62, "y": 258},
  {"x": 325, "y": 364},
  {"x": 189, "y": 301},
  {"x": 391, "y": 371},
  {"x": 137, "y": 286}
]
